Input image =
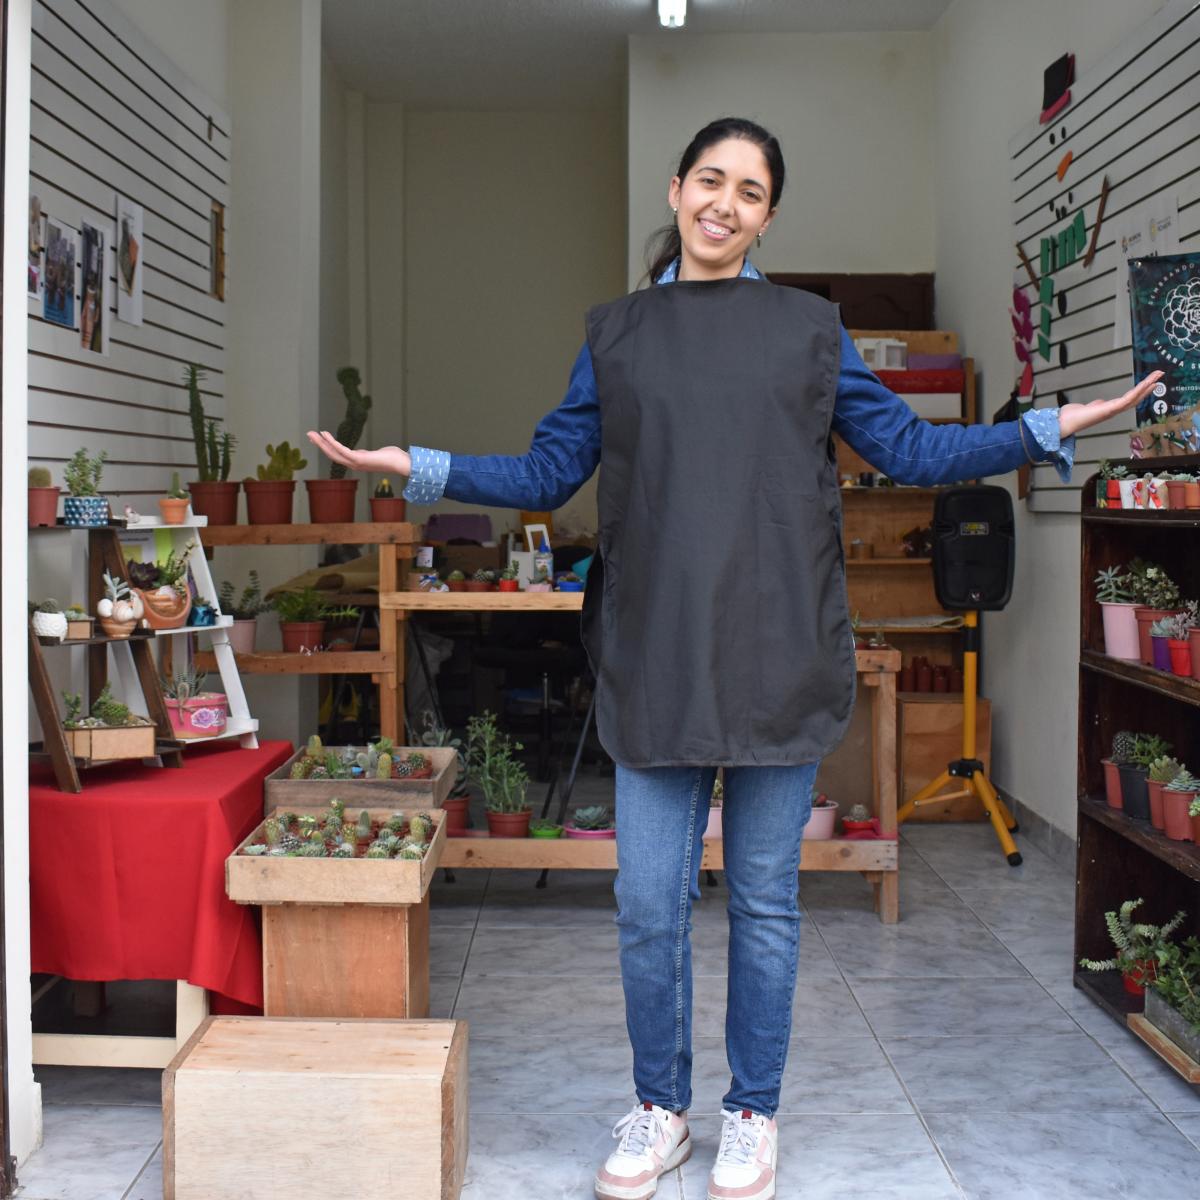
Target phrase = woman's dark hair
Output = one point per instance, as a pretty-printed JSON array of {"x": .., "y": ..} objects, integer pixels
[{"x": 663, "y": 246}]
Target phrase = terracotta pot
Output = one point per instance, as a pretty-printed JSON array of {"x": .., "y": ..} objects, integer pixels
[
  {"x": 269, "y": 501},
  {"x": 905, "y": 682},
  {"x": 43, "y": 506},
  {"x": 216, "y": 500},
  {"x": 1160, "y": 653},
  {"x": 457, "y": 585},
  {"x": 1181, "y": 656},
  {"x": 1120, "y": 631},
  {"x": 1177, "y": 493},
  {"x": 478, "y": 585},
  {"x": 1177, "y": 825},
  {"x": 509, "y": 825},
  {"x": 1134, "y": 798},
  {"x": 301, "y": 635},
  {"x": 1112, "y": 783},
  {"x": 331, "y": 501},
  {"x": 1136, "y": 978},
  {"x": 165, "y": 607},
  {"x": 387, "y": 508},
  {"x": 241, "y": 636},
  {"x": 509, "y": 585},
  {"x": 1195, "y": 828},
  {"x": 1191, "y": 494},
  {"x": 1194, "y": 643},
  {"x": 174, "y": 512},
  {"x": 1145, "y": 618},
  {"x": 924, "y": 678},
  {"x": 1154, "y": 790},
  {"x": 455, "y": 808}
]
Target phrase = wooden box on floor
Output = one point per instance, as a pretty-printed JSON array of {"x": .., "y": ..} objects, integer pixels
[
  {"x": 341, "y": 938},
  {"x": 929, "y": 738},
  {"x": 257, "y": 1109}
]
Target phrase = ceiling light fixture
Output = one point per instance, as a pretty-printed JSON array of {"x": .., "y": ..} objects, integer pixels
[{"x": 672, "y": 13}]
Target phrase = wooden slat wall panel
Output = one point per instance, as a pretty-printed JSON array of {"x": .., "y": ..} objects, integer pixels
[
  {"x": 110, "y": 115},
  {"x": 1135, "y": 117}
]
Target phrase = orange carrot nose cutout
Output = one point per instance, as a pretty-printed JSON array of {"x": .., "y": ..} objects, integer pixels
[{"x": 1063, "y": 164}]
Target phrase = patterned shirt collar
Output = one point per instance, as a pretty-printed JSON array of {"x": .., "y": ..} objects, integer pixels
[{"x": 748, "y": 271}]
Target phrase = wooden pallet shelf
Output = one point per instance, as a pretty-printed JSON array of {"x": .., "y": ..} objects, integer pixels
[
  {"x": 1177, "y": 687},
  {"x": 325, "y": 662},
  {"x": 1179, "y": 856},
  {"x": 372, "y": 533}
]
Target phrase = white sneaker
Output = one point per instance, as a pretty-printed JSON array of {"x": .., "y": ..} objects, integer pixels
[
  {"x": 652, "y": 1140},
  {"x": 745, "y": 1166}
]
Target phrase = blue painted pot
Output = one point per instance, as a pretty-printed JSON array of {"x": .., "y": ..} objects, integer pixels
[{"x": 85, "y": 510}]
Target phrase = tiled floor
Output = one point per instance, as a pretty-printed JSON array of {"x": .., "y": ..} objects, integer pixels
[{"x": 948, "y": 1056}]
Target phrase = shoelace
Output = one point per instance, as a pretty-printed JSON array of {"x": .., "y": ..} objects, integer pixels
[
  {"x": 637, "y": 1131},
  {"x": 739, "y": 1139}
]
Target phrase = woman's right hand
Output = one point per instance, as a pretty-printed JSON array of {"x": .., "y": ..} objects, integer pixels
[{"x": 388, "y": 460}]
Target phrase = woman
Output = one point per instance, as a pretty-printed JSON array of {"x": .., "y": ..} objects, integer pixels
[{"x": 710, "y": 403}]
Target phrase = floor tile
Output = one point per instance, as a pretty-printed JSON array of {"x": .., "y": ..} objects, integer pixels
[
  {"x": 443, "y": 990},
  {"x": 448, "y": 949},
  {"x": 499, "y": 950},
  {"x": 823, "y": 1006},
  {"x": 1049, "y": 1073},
  {"x": 957, "y": 1007},
  {"x": 99, "y": 1085},
  {"x": 90, "y": 1152},
  {"x": 563, "y": 1076},
  {"x": 149, "y": 1184},
  {"x": 560, "y": 1006},
  {"x": 1099, "y": 1155},
  {"x": 1189, "y": 1125},
  {"x": 835, "y": 1157},
  {"x": 1160, "y": 1082}
]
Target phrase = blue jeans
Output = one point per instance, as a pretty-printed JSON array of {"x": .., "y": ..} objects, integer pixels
[{"x": 661, "y": 815}]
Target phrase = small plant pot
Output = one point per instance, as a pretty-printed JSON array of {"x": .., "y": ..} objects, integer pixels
[
  {"x": 509, "y": 825},
  {"x": 714, "y": 830},
  {"x": 88, "y": 511},
  {"x": 43, "y": 506},
  {"x": 241, "y": 636},
  {"x": 174, "y": 512},
  {"x": 1194, "y": 644},
  {"x": 457, "y": 585},
  {"x": 387, "y": 508},
  {"x": 1191, "y": 494},
  {"x": 455, "y": 808},
  {"x": 508, "y": 585},
  {"x": 1138, "y": 976},
  {"x": 539, "y": 587},
  {"x": 79, "y": 629},
  {"x": 1195, "y": 828},
  {"x": 1146, "y": 617},
  {"x": 821, "y": 823},
  {"x": 551, "y": 831},
  {"x": 1180, "y": 656},
  {"x": 570, "y": 585},
  {"x": 1112, "y": 491},
  {"x": 301, "y": 635},
  {"x": 331, "y": 501},
  {"x": 1177, "y": 825},
  {"x": 116, "y": 629},
  {"x": 1126, "y": 486},
  {"x": 1154, "y": 790},
  {"x": 478, "y": 585},
  {"x": 1112, "y": 783},
  {"x": 200, "y": 716},
  {"x": 164, "y": 607},
  {"x": 1135, "y": 800},
  {"x": 105, "y": 744},
  {"x": 1177, "y": 493},
  {"x": 202, "y": 616},
  {"x": 596, "y": 835},
  {"x": 849, "y": 826},
  {"x": 1160, "y": 653},
  {"x": 269, "y": 501},
  {"x": 216, "y": 500},
  {"x": 1120, "y": 630},
  {"x": 52, "y": 625}
]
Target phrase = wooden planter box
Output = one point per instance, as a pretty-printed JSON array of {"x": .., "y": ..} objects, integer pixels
[
  {"x": 398, "y": 1089},
  {"x": 341, "y": 937},
  {"x": 282, "y": 791},
  {"x": 1168, "y": 1035},
  {"x": 109, "y": 745},
  {"x": 80, "y": 630}
]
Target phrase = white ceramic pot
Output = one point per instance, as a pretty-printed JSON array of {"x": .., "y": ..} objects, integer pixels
[
  {"x": 50, "y": 625},
  {"x": 241, "y": 636},
  {"x": 1127, "y": 492},
  {"x": 713, "y": 829},
  {"x": 824, "y": 816}
]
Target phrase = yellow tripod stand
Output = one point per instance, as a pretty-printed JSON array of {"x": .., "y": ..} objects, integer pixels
[{"x": 969, "y": 768}]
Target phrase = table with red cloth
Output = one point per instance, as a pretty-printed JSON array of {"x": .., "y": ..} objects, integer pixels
[{"x": 127, "y": 877}]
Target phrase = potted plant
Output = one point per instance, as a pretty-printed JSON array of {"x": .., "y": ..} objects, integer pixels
[
  {"x": 501, "y": 777},
  {"x": 269, "y": 497},
  {"x": 1191, "y": 492},
  {"x": 1194, "y": 816},
  {"x": 545, "y": 829},
  {"x": 213, "y": 495},
  {"x": 110, "y": 731},
  {"x": 593, "y": 821},
  {"x": 1160, "y": 636},
  {"x": 119, "y": 609},
  {"x": 386, "y": 505},
  {"x": 541, "y": 581},
  {"x": 84, "y": 505},
  {"x": 1177, "y": 488},
  {"x": 43, "y": 498},
  {"x": 163, "y": 588},
  {"x": 174, "y": 504},
  {"x": 1157, "y": 596},
  {"x": 1135, "y": 799},
  {"x": 433, "y": 733},
  {"x": 203, "y": 614},
  {"x": 1108, "y": 486},
  {"x": 1179, "y": 628},
  {"x": 482, "y": 581},
  {"x": 821, "y": 822},
  {"x": 1177, "y": 797},
  {"x": 1140, "y": 947},
  {"x": 570, "y": 582},
  {"x": 331, "y": 501},
  {"x": 858, "y": 820},
  {"x": 194, "y": 712},
  {"x": 1162, "y": 770},
  {"x": 1117, "y": 607},
  {"x": 509, "y": 580},
  {"x": 1173, "y": 999},
  {"x": 244, "y": 610},
  {"x": 79, "y": 624},
  {"x": 48, "y": 620},
  {"x": 456, "y": 581},
  {"x": 302, "y": 616},
  {"x": 1122, "y": 752}
]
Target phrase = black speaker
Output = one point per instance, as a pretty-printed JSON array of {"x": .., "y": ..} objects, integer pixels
[{"x": 973, "y": 548}]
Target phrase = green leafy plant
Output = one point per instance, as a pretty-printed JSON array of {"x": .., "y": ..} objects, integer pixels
[
  {"x": 1147, "y": 747},
  {"x": 82, "y": 473},
  {"x": 1109, "y": 471},
  {"x": 1136, "y": 942},
  {"x": 540, "y": 826},
  {"x": 214, "y": 453},
  {"x": 282, "y": 463},
  {"x": 594, "y": 816},
  {"x": 1152, "y": 586},
  {"x": 308, "y": 605},
  {"x": 1164, "y": 769},
  {"x": 491, "y": 763},
  {"x": 1112, "y": 587},
  {"x": 39, "y": 477},
  {"x": 248, "y": 605},
  {"x": 1178, "y": 979},
  {"x": 350, "y": 428},
  {"x": 1181, "y": 624},
  {"x": 185, "y": 684},
  {"x": 176, "y": 491}
]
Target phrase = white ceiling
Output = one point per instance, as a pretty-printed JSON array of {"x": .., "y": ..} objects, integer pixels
[{"x": 550, "y": 54}]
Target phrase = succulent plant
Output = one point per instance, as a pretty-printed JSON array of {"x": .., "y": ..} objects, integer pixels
[
  {"x": 419, "y": 828},
  {"x": 289, "y": 843},
  {"x": 306, "y": 824},
  {"x": 115, "y": 589},
  {"x": 1148, "y": 747},
  {"x": 483, "y": 575},
  {"x": 314, "y": 747},
  {"x": 512, "y": 571},
  {"x": 383, "y": 767},
  {"x": 383, "y": 490},
  {"x": 411, "y": 853},
  {"x": 363, "y": 826},
  {"x": 367, "y": 759},
  {"x": 1184, "y": 781},
  {"x": 1164, "y": 768},
  {"x": 1123, "y": 746},
  {"x": 317, "y": 837},
  {"x": 109, "y": 710},
  {"x": 377, "y": 850},
  {"x": 417, "y": 760},
  {"x": 455, "y": 577},
  {"x": 176, "y": 491},
  {"x": 74, "y": 706},
  {"x": 858, "y": 812},
  {"x": 82, "y": 472},
  {"x": 319, "y": 772},
  {"x": 301, "y": 768},
  {"x": 282, "y": 462},
  {"x": 594, "y": 816},
  {"x": 256, "y": 849},
  {"x": 402, "y": 770},
  {"x": 1136, "y": 942},
  {"x": 272, "y": 831},
  {"x": 39, "y": 477},
  {"x": 311, "y": 850},
  {"x": 344, "y": 850}
]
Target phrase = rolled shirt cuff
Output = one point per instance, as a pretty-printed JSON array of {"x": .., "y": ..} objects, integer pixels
[
  {"x": 1042, "y": 423},
  {"x": 430, "y": 470}
]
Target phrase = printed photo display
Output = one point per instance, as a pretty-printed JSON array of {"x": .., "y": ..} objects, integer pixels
[
  {"x": 92, "y": 311},
  {"x": 129, "y": 261},
  {"x": 58, "y": 296}
]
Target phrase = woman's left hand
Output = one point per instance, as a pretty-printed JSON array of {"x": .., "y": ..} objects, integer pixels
[{"x": 1072, "y": 418}]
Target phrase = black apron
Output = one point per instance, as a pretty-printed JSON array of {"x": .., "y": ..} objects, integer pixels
[{"x": 715, "y": 616}]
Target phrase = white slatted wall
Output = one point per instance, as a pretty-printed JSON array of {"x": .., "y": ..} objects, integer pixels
[
  {"x": 1135, "y": 117},
  {"x": 111, "y": 115}
]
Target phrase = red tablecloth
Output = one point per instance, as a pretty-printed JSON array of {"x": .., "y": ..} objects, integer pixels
[{"x": 127, "y": 878}]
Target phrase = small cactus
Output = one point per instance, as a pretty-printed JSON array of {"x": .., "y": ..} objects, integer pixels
[
  {"x": 417, "y": 760},
  {"x": 306, "y": 824},
  {"x": 396, "y": 822},
  {"x": 344, "y": 850},
  {"x": 412, "y": 853},
  {"x": 320, "y": 772},
  {"x": 363, "y": 828},
  {"x": 419, "y": 828},
  {"x": 383, "y": 768},
  {"x": 314, "y": 749},
  {"x": 290, "y": 843},
  {"x": 1123, "y": 746},
  {"x": 39, "y": 477},
  {"x": 311, "y": 850},
  {"x": 403, "y": 769},
  {"x": 300, "y": 769},
  {"x": 272, "y": 831},
  {"x": 377, "y": 850},
  {"x": 317, "y": 838},
  {"x": 257, "y": 849}
]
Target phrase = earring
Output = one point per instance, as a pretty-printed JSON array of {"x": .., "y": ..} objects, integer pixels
[
  {"x": 758, "y": 238},
  {"x": 675, "y": 211}
]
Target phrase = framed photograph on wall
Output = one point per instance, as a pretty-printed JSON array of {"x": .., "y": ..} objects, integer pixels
[
  {"x": 93, "y": 292},
  {"x": 58, "y": 283},
  {"x": 37, "y": 241},
  {"x": 130, "y": 261}
]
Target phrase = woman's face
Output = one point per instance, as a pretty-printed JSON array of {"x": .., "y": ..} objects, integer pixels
[{"x": 722, "y": 206}]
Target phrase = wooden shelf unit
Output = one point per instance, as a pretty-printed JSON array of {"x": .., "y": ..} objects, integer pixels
[{"x": 1119, "y": 858}]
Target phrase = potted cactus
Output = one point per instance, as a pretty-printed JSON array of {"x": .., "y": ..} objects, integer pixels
[
  {"x": 244, "y": 610},
  {"x": 48, "y": 620},
  {"x": 502, "y": 778},
  {"x": 1122, "y": 752},
  {"x": 302, "y": 616},
  {"x": 1117, "y": 607},
  {"x": 482, "y": 581},
  {"x": 1140, "y": 947},
  {"x": 1179, "y": 628},
  {"x": 1160, "y": 651},
  {"x": 194, "y": 712},
  {"x": 213, "y": 495},
  {"x": 1135, "y": 799},
  {"x": 109, "y": 731},
  {"x": 593, "y": 821},
  {"x": 858, "y": 820},
  {"x": 456, "y": 581},
  {"x": 119, "y": 609},
  {"x": 79, "y": 624},
  {"x": 1162, "y": 770},
  {"x": 1157, "y": 595},
  {"x": 163, "y": 588},
  {"x": 570, "y": 582},
  {"x": 385, "y": 504},
  {"x": 269, "y": 496},
  {"x": 823, "y": 819},
  {"x": 43, "y": 498},
  {"x": 174, "y": 504},
  {"x": 331, "y": 501},
  {"x": 1177, "y": 797},
  {"x": 84, "y": 505},
  {"x": 1177, "y": 488},
  {"x": 509, "y": 580}
]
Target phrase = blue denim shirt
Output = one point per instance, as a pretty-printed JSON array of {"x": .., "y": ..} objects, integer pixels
[{"x": 873, "y": 420}]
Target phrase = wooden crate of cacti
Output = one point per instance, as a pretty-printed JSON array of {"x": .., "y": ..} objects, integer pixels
[{"x": 377, "y": 774}]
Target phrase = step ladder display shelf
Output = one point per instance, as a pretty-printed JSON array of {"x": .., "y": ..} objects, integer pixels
[{"x": 1119, "y": 858}]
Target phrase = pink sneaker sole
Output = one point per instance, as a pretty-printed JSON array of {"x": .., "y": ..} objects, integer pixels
[
  {"x": 610, "y": 1191},
  {"x": 766, "y": 1192}
]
